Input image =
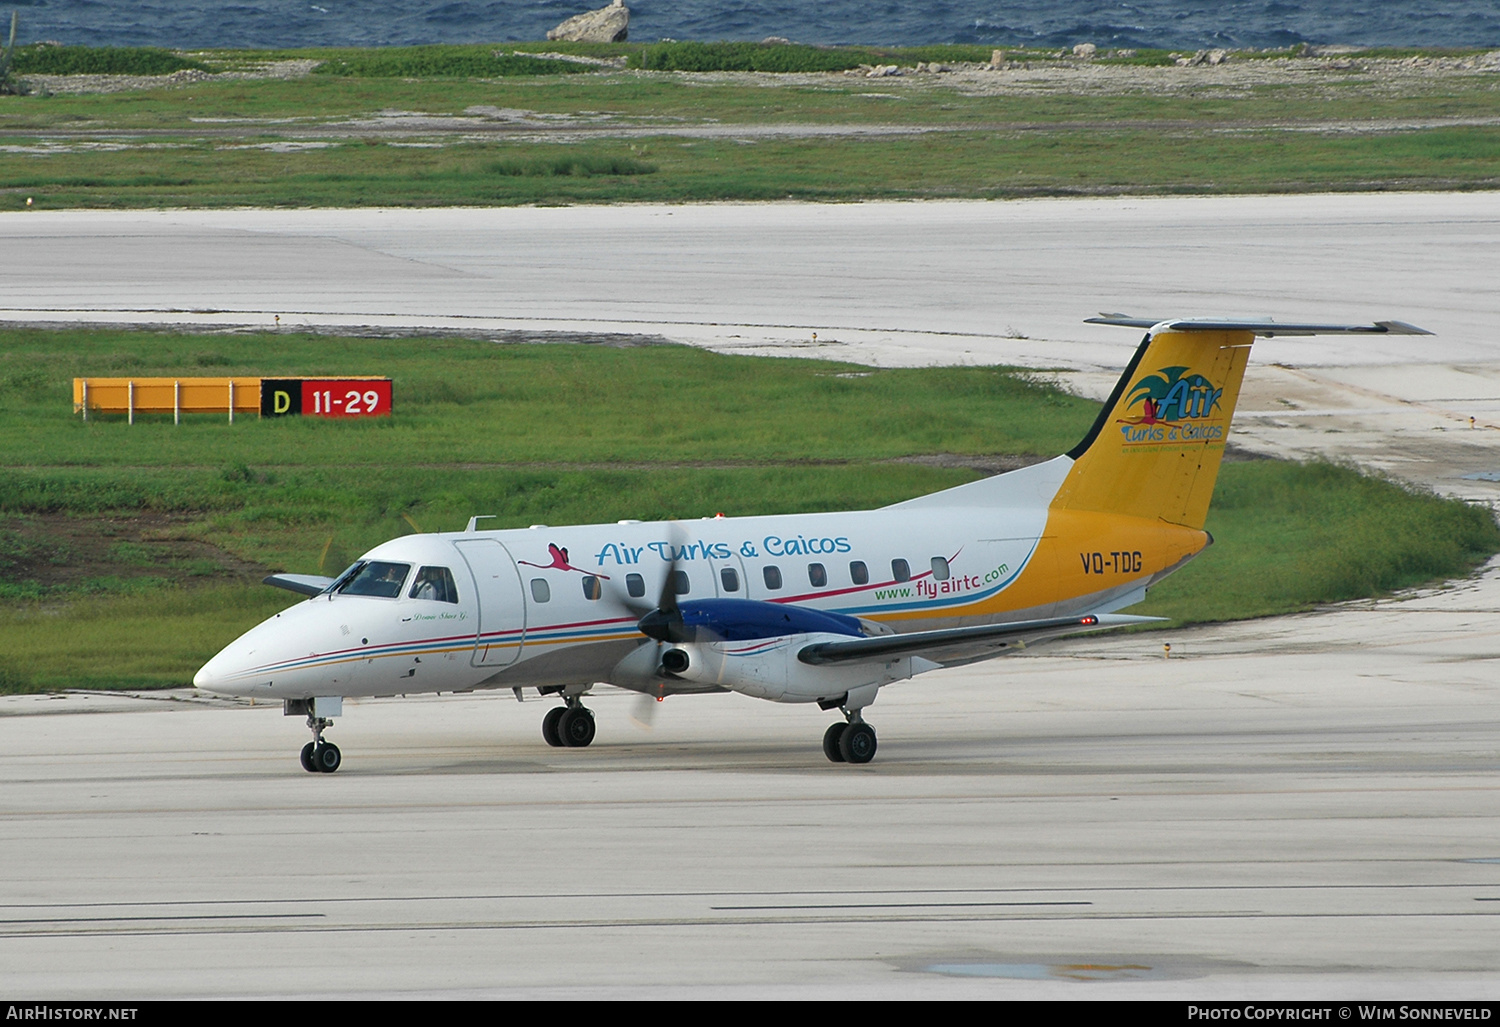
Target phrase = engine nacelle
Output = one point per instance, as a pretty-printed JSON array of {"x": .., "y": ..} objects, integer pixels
[{"x": 768, "y": 668}]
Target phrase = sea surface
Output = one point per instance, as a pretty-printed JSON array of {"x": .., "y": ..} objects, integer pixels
[{"x": 1183, "y": 24}]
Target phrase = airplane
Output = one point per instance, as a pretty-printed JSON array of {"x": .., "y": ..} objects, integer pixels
[{"x": 823, "y": 608}]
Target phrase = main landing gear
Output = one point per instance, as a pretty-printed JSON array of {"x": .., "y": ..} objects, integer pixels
[
  {"x": 853, "y": 742},
  {"x": 570, "y": 726},
  {"x": 319, "y": 756}
]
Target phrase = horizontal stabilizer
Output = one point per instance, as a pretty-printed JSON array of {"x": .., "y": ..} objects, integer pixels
[
  {"x": 302, "y": 584},
  {"x": 1267, "y": 328},
  {"x": 962, "y": 644}
]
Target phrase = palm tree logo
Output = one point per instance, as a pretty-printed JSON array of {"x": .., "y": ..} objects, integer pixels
[{"x": 1170, "y": 395}]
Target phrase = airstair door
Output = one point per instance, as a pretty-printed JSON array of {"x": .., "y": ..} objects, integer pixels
[{"x": 502, "y": 612}]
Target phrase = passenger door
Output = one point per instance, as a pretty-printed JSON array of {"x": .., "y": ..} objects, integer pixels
[{"x": 502, "y": 613}]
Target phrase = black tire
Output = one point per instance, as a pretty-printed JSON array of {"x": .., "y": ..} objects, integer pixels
[
  {"x": 307, "y": 759},
  {"x": 327, "y": 757},
  {"x": 831, "y": 742},
  {"x": 576, "y": 728},
  {"x": 550, "y": 733},
  {"x": 858, "y": 744}
]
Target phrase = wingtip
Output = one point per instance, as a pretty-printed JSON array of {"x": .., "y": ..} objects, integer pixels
[{"x": 1402, "y": 328}]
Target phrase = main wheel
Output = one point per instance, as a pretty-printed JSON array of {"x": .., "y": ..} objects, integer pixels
[
  {"x": 858, "y": 743},
  {"x": 327, "y": 757},
  {"x": 831, "y": 742},
  {"x": 550, "y": 731},
  {"x": 307, "y": 759},
  {"x": 576, "y": 728}
]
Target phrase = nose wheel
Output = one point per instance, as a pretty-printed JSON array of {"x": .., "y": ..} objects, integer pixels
[{"x": 318, "y": 756}]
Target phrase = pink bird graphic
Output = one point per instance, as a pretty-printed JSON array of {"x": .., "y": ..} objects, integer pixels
[{"x": 560, "y": 562}]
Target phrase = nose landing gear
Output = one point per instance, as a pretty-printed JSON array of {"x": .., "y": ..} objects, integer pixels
[{"x": 319, "y": 756}]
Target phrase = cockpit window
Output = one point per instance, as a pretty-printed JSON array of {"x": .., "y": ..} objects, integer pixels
[
  {"x": 377, "y": 578},
  {"x": 435, "y": 583},
  {"x": 343, "y": 579}
]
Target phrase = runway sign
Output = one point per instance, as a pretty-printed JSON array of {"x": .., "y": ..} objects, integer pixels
[
  {"x": 325, "y": 397},
  {"x": 268, "y": 397}
]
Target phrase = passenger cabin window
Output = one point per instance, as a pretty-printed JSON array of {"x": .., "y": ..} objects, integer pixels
[
  {"x": 680, "y": 583},
  {"x": 635, "y": 585},
  {"x": 859, "y": 573},
  {"x": 730, "y": 579},
  {"x": 900, "y": 570},
  {"x": 377, "y": 579},
  {"x": 540, "y": 591},
  {"x": 434, "y": 583},
  {"x": 773, "y": 577},
  {"x": 591, "y": 587},
  {"x": 817, "y": 574},
  {"x": 939, "y": 569}
]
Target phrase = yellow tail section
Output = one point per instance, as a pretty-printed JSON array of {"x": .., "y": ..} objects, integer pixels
[{"x": 1155, "y": 450}]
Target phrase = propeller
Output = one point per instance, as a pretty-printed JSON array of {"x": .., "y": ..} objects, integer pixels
[
  {"x": 663, "y": 621},
  {"x": 664, "y": 624},
  {"x": 644, "y": 710}
]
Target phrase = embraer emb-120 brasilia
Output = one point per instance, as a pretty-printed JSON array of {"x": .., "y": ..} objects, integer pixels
[{"x": 797, "y": 608}]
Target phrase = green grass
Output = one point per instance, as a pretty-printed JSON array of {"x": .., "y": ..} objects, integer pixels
[
  {"x": 466, "y": 402},
  {"x": 992, "y": 165},
  {"x": 1294, "y": 536},
  {"x": 224, "y": 143},
  {"x": 108, "y": 530},
  {"x": 152, "y": 641}
]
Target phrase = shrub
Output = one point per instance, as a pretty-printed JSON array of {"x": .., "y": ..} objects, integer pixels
[
  {"x": 443, "y": 62},
  {"x": 99, "y": 60},
  {"x": 780, "y": 57},
  {"x": 583, "y": 166}
]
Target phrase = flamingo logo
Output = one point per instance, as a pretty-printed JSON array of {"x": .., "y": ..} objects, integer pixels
[{"x": 560, "y": 562}]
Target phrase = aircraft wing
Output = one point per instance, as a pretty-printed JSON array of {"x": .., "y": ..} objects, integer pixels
[
  {"x": 1268, "y": 328},
  {"x": 302, "y": 584},
  {"x": 951, "y": 646}
]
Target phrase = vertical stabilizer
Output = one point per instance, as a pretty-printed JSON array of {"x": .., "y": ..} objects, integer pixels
[{"x": 1154, "y": 451}]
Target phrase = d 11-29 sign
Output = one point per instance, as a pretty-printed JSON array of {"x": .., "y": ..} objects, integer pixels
[{"x": 325, "y": 397}]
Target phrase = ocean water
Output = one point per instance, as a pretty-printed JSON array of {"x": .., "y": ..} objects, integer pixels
[{"x": 1176, "y": 24}]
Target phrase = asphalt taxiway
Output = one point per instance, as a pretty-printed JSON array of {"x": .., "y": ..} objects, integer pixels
[
  {"x": 1295, "y": 807},
  {"x": 887, "y": 283}
]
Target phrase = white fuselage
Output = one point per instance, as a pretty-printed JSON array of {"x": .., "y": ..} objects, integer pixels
[{"x": 550, "y": 606}]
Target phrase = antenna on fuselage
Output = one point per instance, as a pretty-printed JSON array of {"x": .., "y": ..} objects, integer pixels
[{"x": 474, "y": 521}]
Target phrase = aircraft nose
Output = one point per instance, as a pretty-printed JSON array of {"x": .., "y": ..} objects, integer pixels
[
  {"x": 226, "y": 672},
  {"x": 209, "y": 676}
]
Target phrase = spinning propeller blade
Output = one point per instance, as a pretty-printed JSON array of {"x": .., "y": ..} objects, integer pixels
[
  {"x": 643, "y": 712},
  {"x": 665, "y": 623}
]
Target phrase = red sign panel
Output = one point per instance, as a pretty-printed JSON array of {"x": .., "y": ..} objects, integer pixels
[{"x": 329, "y": 397}]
